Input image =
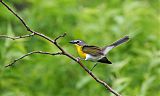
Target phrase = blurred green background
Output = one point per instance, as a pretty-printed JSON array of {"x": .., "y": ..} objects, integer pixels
[{"x": 136, "y": 64}]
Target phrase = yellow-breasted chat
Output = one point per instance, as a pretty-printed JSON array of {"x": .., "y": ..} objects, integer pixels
[{"x": 94, "y": 53}]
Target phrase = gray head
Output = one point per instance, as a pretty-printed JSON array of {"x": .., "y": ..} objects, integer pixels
[{"x": 78, "y": 42}]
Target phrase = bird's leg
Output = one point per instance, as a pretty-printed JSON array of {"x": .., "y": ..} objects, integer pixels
[
  {"x": 78, "y": 58},
  {"x": 94, "y": 66},
  {"x": 82, "y": 59}
]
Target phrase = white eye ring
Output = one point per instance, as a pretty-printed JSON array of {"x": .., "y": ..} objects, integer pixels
[{"x": 77, "y": 41}]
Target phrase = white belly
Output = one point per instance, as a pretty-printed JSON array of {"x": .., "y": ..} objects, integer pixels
[{"x": 92, "y": 58}]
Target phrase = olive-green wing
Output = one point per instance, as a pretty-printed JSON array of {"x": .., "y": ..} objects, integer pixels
[{"x": 92, "y": 50}]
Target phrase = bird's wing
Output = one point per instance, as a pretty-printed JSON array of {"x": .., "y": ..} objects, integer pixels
[{"x": 92, "y": 50}]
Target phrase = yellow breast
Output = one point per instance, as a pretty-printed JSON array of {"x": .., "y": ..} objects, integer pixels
[{"x": 80, "y": 52}]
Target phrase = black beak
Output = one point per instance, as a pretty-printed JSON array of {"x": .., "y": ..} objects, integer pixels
[{"x": 72, "y": 42}]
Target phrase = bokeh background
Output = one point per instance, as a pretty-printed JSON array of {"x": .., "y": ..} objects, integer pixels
[{"x": 136, "y": 64}]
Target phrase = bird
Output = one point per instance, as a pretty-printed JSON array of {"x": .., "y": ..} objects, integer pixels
[{"x": 95, "y": 53}]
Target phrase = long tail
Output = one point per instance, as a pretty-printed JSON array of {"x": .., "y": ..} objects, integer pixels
[{"x": 120, "y": 41}]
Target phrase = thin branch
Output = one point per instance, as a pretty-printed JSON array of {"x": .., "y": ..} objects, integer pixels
[
  {"x": 92, "y": 75},
  {"x": 18, "y": 37},
  {"x": 25, "y": 25},
  {"x": 63, "y": 52},
  {"x": 15, "y": 15},
  {"x": 98, "y": 80},
  {"x": 30, "y": 53},
  {"x": 63, "y": 35}
]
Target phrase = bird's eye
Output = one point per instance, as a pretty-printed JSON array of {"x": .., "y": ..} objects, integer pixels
[{"x": 78, "y": 41}]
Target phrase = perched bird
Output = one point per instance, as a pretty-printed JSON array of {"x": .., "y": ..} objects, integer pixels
[{"x": 94, "y": 53}]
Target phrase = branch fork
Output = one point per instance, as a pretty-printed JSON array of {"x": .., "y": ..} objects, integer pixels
[{"x": 54, "y": 42}]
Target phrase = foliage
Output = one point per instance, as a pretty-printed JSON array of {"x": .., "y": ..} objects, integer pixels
[{"x": 135, "y": 69}]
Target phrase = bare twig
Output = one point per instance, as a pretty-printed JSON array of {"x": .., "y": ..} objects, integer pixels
[
  {"x": 15, "y": 15},
  {"x": 97, "y": 79},
  {"x": 63, "y": 52},
  {"x": 30, "y": 53},
  {"x": 25, "y": 25},
  {"x": 18, "y": 37},
  {"x": 63, "y": 35}
]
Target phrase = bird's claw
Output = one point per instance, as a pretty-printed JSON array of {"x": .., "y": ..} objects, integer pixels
[{"x": 78, "y": 58}]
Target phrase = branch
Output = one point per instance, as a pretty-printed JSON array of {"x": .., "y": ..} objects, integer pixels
[
  {"x": 15, "y": 15},
  {"x": 97, "y": 79},
  {"x": 30, "y": 53},
  {"x": 63, "y": 35},
  {"x": 63, "y": 52},
  {"x": 18, "y": 37},
  {"x": 25, "y": 25}
]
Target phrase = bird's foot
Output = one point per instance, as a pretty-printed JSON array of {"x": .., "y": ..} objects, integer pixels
[{"x": 78, "y": 58}]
